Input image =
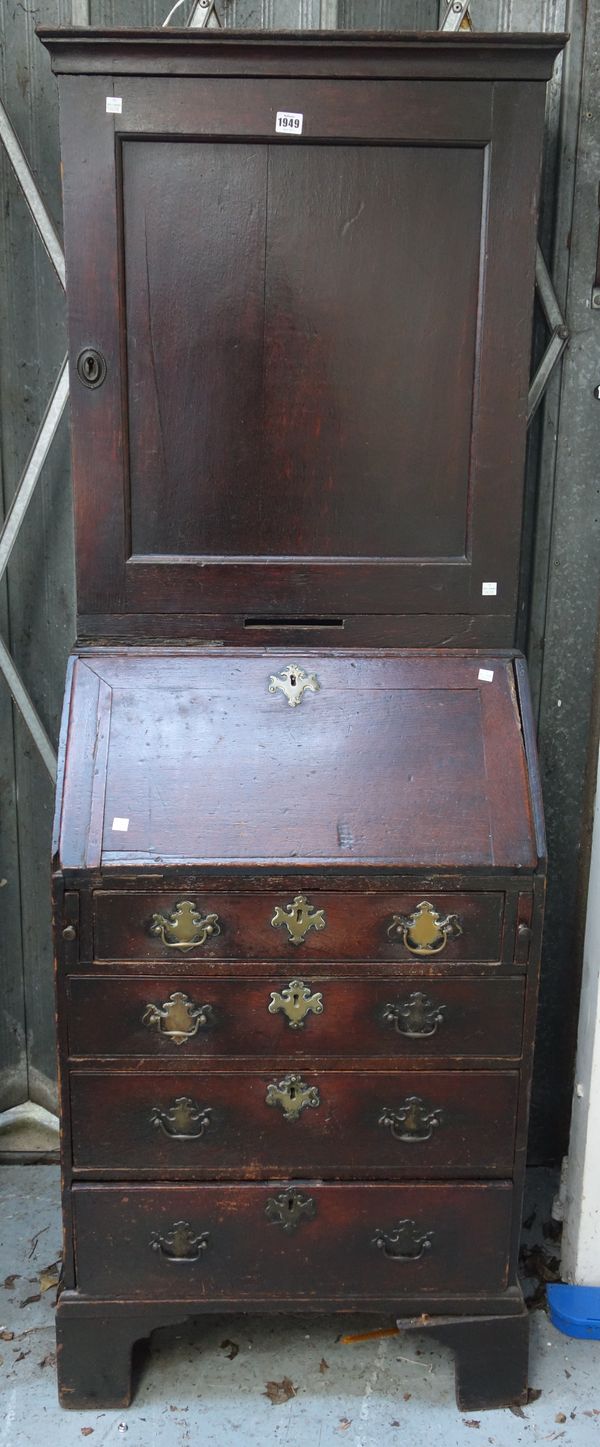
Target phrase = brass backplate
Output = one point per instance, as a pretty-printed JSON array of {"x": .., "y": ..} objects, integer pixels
[
  {"x": 185, "y": 927},
  {"x": 425, "y": 932},
  {"x": 180, "y": 1243},
  {"x": 406, "y": 1243},
  {"x": 178, "y": 1018},
  {"x": 184, "y": 1120}
]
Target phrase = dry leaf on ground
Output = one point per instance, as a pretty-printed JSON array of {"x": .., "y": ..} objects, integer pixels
[
  {"x": 279, "y": 1392},
  {"x": 230, "y": 1348}
]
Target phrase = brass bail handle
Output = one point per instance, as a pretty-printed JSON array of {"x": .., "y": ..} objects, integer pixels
[
  {"x": 185, "y": 927},
  {"x": 425, "y": 931}
]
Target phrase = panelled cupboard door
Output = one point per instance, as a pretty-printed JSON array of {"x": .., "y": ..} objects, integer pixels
[{"x": 316, "y": 339}]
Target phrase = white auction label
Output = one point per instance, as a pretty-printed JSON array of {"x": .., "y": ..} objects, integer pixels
[
  {"x": 289, "y": 123},
  {"x": 114, "y": 105},
  {"x": 121, "y": 825},
  {"x": 486, "y": 675},
  {"x": 489, "y": 590}
]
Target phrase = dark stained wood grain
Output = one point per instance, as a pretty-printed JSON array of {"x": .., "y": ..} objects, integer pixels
[
  {"x": 331, "y": 1255},
  {"x": 309, "y": 444},
  {"x": 289, "y": 402},
  {"x": 398, "y": 759},
  {"x": 491, "y": 1357},
  {"x": 146, "y": 52},
  {"x": 243, "y": 1137},
  {"x": 265, "y": 441},
  {"x": 355, "y": 928},
  {"x": 480, "y": 1017}
]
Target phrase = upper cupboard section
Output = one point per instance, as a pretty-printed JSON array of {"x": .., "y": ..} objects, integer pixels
[{"x": 313, "y": 342}]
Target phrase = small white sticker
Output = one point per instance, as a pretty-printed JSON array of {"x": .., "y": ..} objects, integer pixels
[
  {"x": 489, "y": 590},
  {"x": 114, "y": 105},
  {"x": 289, "y": 122},
  {"x": 121, "y": 825},
  {"x": 485, "y": 675}
]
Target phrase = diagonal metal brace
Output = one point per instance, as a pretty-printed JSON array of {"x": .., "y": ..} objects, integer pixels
[
  {"x": 41, "y": 447},
  {"x": 24, "y": 176},
  {"x": 559, "y": 334},
  {"x": 27, "y": 709}
]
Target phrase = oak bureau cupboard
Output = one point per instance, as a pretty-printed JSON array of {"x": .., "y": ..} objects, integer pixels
[{"x": 299, "y": 853}]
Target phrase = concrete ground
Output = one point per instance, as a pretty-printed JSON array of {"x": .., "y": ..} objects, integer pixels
[{"x": 278, "y": 1381}]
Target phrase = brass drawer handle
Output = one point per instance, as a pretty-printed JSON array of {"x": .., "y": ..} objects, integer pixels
[
  {"x": 293, "y": 682},
  {"x": 298, "y": 917},
  {"x": 296, "y": 1002},
  {"x": 405, "y": 1243},
  {"x": 180, "y": 1244},
  {"x": 181, "y": 1120},
  {"x": 292, "y": 1095},
  {"x": 412, "y": 1121},
  {"x": 178, "y": 1018},
  {"x": 185, "y": 927},
  {"x": 289, "y": 1208},
  {"x": 416, "y": 1017},
  {"x": 425, "y": 932}
]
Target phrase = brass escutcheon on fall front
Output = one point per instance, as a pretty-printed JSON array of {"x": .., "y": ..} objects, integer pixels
[
  {"x": 293, "y": 682},
  {"x": 289, "y": 1208},
  {"x": 292, "y": 1095},
  {"x": 412, "y": 1121},
  {"x": 425, "y": 932},
  {"x": 405, "y": 1243},
  {"x": 417, "y": 1016},
  {"x": 184, "y": 1121},
  {"x": 185, "y": 927},
  {"x": 180, "y": 1244},
  {"x": 296, "y": 1002},
  {"x": 298, "y": 917},
  {"x": 178, "y": 1018}
]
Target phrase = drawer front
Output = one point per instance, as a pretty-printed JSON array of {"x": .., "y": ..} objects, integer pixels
[
  {"x": 315, "y": 925},
  {"x": 254, "y": 1125},
  {"x": 294, "y": 1242},
  {"x": 294, "y": 1018}
]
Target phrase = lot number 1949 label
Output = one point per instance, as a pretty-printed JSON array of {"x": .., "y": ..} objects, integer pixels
[{"x": 289, "y": 122}]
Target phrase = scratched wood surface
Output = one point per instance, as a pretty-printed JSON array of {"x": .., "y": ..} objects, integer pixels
[
  {"x": 331, "y": 1254},
  {"x": 396, "y": 760}
]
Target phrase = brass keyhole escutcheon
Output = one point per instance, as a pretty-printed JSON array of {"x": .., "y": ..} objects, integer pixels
[
  {"x": 289, "y": 1208},
  {"x": 292, "y": 1095},
  {"x": 296, "y": 1002},
  {"x": 425, "y": 932},
  {"x": 91, "y": 367},
  {"x": 293, "y": 682},
  {"x": 299, "y": 918}
]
